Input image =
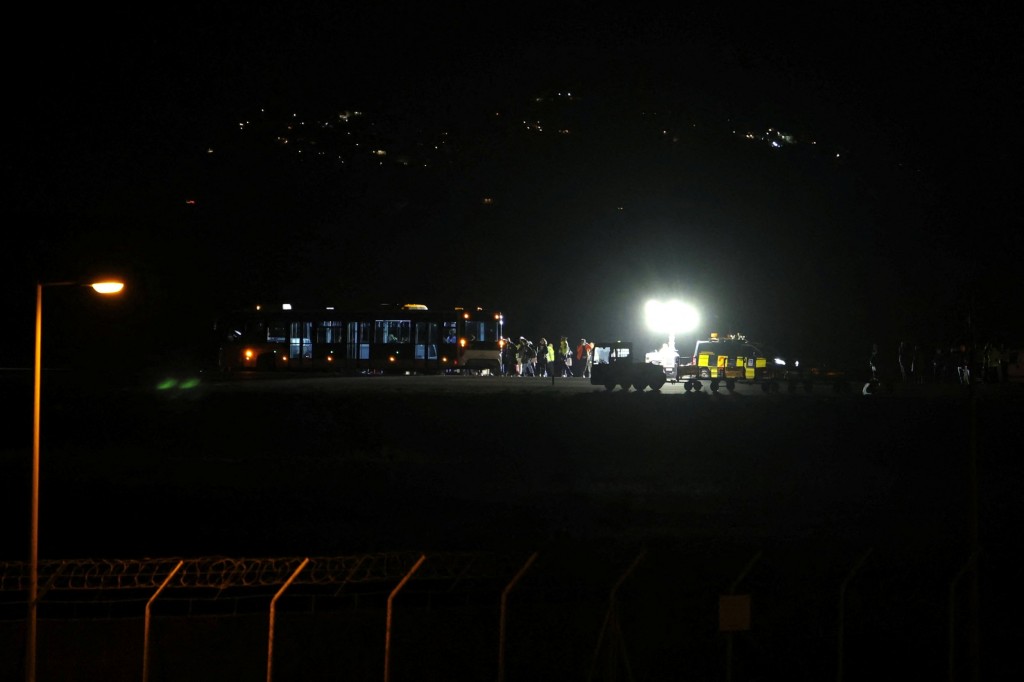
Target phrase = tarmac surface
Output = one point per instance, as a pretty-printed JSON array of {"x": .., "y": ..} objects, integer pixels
[{"x": 919, "y": 478}]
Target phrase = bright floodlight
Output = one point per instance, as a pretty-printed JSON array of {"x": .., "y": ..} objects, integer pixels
[{"x": 672, "y": 317}]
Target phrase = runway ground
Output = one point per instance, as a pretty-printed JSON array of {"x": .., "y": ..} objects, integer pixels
[{"x": 917, "y": 478}]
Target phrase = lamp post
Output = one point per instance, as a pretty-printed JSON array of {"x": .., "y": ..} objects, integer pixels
[{"x": 107, "y": 288}]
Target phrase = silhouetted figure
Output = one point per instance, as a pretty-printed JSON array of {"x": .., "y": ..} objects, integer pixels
[
  {"x": 872, "y": 384},
  {"x": 905, "y": 361},
  {"x": 938, "y": 365},
  {"x": 961, "y": 359}
]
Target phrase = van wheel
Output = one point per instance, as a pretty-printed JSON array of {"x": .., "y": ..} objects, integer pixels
[{"x": 656, "y": 384}]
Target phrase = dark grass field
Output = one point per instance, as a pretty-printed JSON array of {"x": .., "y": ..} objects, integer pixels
[{"x": 803, "y": 489}]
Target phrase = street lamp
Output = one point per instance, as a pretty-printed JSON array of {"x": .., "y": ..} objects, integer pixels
[
  {"x": 670, "y": 318},
  {"x": 105, "y": 287}
]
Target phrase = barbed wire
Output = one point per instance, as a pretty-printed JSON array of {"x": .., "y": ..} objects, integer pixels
[{"x": 219, "y": 572}]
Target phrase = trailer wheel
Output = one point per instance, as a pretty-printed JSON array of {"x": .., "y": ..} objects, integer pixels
[
  {"x": 714, "y": 385},
  {"x": 625, "y": 386},
  {"x": 639, "y": 385},
  {"x": 609, "y": 385},
  {"x": 731, "y": 385}
]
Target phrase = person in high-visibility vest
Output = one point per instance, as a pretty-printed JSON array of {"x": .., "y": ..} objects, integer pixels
[{"x": 564, "y": 358}]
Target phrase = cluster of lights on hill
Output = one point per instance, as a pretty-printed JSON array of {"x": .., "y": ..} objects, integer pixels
[
  {"x": 350, "y": 138},
  {"x": 357, "y": 139}
]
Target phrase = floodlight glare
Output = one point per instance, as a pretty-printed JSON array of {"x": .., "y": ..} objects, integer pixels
[{"x": 671, "y": 317}]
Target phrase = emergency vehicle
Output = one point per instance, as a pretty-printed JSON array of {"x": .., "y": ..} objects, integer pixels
[
  {"x": 728, "y": 359},
  {"x": 731, "y": 358}
]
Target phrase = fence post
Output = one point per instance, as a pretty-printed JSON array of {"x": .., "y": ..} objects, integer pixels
[
  {"x": 842, "y": 612},
  {"x": 145, "y": 632},
  {"x": 611, "y": 617},
  {"x": 952, "y": 610},
  {"x": 504, "y": 607},
  {"x": 391, "y": 599},
  {"x": 273, "y": 610}
]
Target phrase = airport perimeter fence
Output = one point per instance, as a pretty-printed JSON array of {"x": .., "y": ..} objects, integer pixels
[{"x": 560, "y": 614}]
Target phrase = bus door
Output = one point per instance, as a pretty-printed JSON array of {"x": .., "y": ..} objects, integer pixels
[
  {"x": 358, "y": 338},
  {"x": 425, "y": 351},
  {"x": 449, "y": 344},
  {"x": 300, "y": 345},
  {"x": 330, "y": 341},
  {"x": 392, "y": 349}
]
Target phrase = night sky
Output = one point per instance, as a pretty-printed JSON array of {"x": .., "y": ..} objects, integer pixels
[{"x": 560, "y": 165}]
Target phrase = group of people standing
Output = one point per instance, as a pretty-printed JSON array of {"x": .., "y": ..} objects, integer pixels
[
  {"x": 524, "y": 358},
  {"x": 961, "y": 363}
]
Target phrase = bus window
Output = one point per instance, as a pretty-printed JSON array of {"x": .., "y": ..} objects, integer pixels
[
  {"x": 329, "y": 331},
  {"x": 360, "y": 341},
  {"x": 392, "y": 331},
  {"x": 475, "y": 330},
  {"x": 450, "y": 334},
  {"x": 277, "y": 332}
]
